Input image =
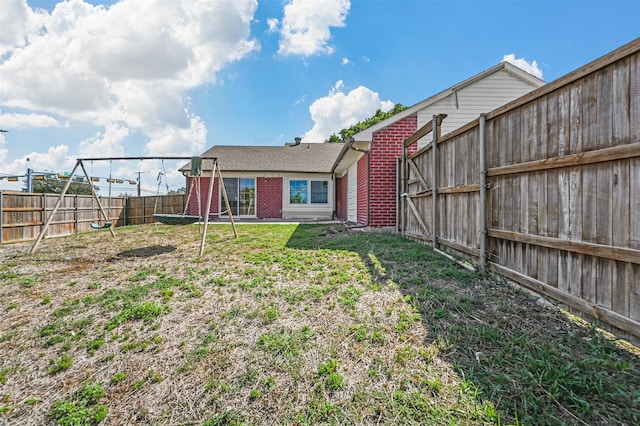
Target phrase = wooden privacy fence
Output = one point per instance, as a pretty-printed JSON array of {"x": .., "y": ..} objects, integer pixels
[
  {"x": 545, "y": 190},
  {"x": 23, "y": 215}
]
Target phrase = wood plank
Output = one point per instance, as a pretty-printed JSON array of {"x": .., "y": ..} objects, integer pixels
[
  {"x": 621, "y": 200},
  {"x": 564, "y": 273},
  {"x": 604, "y": 204},
  {"x": 604, "y": 91},
  {"x": 589, "y": 229},
  {"x": 417, "y": 215},
  {"x": 459, "y": 189},
  {"x": 552, "y": 203},
  {"x": 575, "y": 118},
  {"x": 604, "y": 273},
  {"x": 634, "y": 101},
  {"x": 552, "y": 125},
  {"x": 589, "y": 113},
  {"x": 592, "y": 157},
  {"x": 459, "y": 247},
  {"x": 532, "y": 192},
  {"x": 419, "y": 237},
  {"x": 621, "y": 288},
  {"x": 599, "y": 312},
  {"x": 598, "y": 250},
  {"x": 563, "y": 123},
  {"x": 575, "y": 229},
  {"x": 423, "y": 131},
  {"x": 589, "y": 203},
  {"x": 634, "y": 203},
  {"x": 634, "y": 294},
  {"x": 473, "y": 154},
  {"x": 621, "y": 103},
  {"x": 516, "y": 136},
  {"x": 528, "y": 132},
  {"x": 416, "y": 170}
]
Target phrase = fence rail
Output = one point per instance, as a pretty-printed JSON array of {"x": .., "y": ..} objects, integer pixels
[
  {"x": 546, "y": 191},
  {"x": 23, "y": 215}
]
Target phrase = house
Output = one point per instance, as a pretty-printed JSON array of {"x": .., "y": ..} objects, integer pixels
[
  {"x": 294, "y": 181},
  {"x": 356, "y": 181},
  {"x": 366, "y": 168}
]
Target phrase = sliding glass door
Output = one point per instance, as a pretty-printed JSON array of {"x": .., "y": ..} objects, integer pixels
[{"x": 242, "y": 196}]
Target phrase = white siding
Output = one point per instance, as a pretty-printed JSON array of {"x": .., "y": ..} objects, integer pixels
[
  {"x": 352, "y": 193},
  {"x": 480, "y": 97}
]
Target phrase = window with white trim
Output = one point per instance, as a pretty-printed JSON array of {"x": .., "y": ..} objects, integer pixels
[{"x": 308, "y": 191}]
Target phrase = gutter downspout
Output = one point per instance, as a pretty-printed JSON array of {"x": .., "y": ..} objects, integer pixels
[{"x": 366, "y": 152}]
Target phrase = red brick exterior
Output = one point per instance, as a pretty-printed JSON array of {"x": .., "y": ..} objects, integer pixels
[
  {"x": 363, "y": 196},
  {"x": 385, "y": 149},
  {"x": 268, "y": 194},
  {"x": 341, "y": 198},
  {"x": 204, "y": 193},
  {"x": 269, "y": 197}
]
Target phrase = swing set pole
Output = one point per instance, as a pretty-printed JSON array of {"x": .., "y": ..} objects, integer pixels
[
  {"x": 208, "y": 209},
  {"x": 55, "y": 209}
]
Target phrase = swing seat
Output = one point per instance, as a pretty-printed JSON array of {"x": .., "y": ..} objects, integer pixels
[
  {"x": 98, "y": 226},
  {"x": 176, "y": 219}
]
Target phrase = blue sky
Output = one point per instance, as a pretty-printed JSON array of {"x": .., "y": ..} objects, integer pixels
[{"x": 175, "y": 77}]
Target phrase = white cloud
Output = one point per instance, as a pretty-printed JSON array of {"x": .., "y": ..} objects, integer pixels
[
  {"x": 107, "y": 144},
  {"x": 55, "y": 159},
  {"x": 273, "y": 24},
  {"x": 338, "y": 110},
  {"x": 16, "y": 20},
  {"x": 530, "y": 67},
  {"x": 306, "y": 26},
  {"x": 345, "y": 61},
  {"x": 127, "y": 67},
  {"x": 13, "y": 120},
  {"x": 300, "y": 100},
  {"x": 180, "y": 141}
]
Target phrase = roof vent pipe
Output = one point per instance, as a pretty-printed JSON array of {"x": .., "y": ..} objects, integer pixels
[{"x": 298, "y": 140}]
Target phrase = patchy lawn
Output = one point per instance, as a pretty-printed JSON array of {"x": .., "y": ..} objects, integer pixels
[{"x": 289, "y": 325}]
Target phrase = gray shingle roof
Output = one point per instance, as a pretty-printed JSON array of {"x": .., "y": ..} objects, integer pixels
[{"x": 305, "y": 157}]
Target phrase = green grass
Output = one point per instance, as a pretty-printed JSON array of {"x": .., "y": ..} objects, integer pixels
[
  {"x": 286, "y": 343},
  {"x": 291, "y": 325},
  {"x": 82, "y": 408}
]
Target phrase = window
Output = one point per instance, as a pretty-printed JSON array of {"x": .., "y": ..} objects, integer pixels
[
  {"x": 242, "y": 195},
  {"x": 308, "y": 192},
  {"x": 298, "y": 192},
  {"x": 319, "y": 192}
]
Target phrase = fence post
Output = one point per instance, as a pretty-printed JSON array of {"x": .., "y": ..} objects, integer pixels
[
  {"x": 482, "y": 210},
  {"x": 75, "y": 215},
  {"x": 403, "y": 189},
  {"x": 434, "y": 175},
  {"x": 1, "y": 214}
]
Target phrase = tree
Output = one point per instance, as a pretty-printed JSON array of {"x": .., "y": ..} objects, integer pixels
[
  {"x": 182, "y": 190},
  {"x": 53, "y": 185},
  {"x": 346, "y": 134}
]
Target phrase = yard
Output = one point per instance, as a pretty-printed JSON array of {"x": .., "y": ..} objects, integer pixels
[{"x": 289, "y": 324}]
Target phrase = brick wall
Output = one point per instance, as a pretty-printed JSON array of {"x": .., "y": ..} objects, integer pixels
[
  {"x": 362, "y": 190},
  {"x": 341, "y": 198},
  {"x": 386, "y": 148},
  {"x": 204, "y": 193},
  {"x": 269, "y": 197}
]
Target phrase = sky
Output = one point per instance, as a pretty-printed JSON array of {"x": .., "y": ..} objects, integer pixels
[{"x": 91, "y": 78}]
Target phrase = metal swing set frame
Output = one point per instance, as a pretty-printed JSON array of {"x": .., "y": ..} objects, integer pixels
[{"x": 167, "y": 219}]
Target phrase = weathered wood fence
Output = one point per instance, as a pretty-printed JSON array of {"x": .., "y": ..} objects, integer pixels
[
  {"x": 23, "y": 215},
  {"x": 545, "y": 190}
]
